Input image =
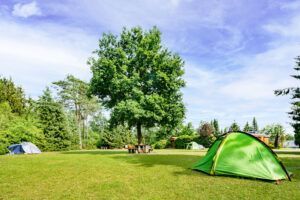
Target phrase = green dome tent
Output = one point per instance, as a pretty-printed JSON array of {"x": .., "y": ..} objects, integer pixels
[{"x": 241, "y": 154}]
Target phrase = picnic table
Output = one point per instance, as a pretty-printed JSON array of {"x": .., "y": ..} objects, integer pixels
[{"x": 139, "y": 148}]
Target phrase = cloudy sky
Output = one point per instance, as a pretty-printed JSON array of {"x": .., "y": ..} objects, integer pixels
[{"x": 237, "y": 52}]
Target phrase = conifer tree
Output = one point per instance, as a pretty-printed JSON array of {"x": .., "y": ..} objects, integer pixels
[
  {"x": 247, "y": 128},
  {"x": 215, "y": 125},
  {"x": 254, "y": 125},
  {"x": 234, "y": 127},
  {"x": 53, "y": 123},
  {"x": 295, "y": 96}
]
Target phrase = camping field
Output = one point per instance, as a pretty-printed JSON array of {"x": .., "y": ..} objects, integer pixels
[{"x": 112, "y": 174}]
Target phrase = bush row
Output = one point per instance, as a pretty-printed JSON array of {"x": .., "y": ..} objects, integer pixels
[{"x": 183, "y": 140}]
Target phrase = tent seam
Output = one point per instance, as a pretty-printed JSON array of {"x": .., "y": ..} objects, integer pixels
[{"x": 213, "y": 169}]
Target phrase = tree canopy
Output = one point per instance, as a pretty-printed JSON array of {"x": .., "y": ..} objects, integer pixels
[
  {"x": 73, "y": 94},
  {"x": 138, "y": 79},
  {"x": 277, "y": 134},
  {"x": 12, "y": 94}
]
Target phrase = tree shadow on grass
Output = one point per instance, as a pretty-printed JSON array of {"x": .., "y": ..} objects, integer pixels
[
  {"x": 288, "y": 152},
  {"x": 151, "y": 160},
  {"x": 95, "y": 152}
]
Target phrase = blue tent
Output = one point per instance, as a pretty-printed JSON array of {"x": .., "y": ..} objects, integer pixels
[{"x": 24, "y": 147}]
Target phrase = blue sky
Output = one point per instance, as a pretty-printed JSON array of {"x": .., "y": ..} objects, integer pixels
[{"x": 236, "y": 52}]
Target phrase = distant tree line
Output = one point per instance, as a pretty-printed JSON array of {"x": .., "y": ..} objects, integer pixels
[{"x": 68, "y": 117}]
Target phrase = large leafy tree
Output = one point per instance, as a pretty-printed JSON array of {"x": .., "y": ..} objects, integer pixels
[
  {"x": 295, "y": 95},
  {"x": 138, "y": 79},
  {"x": 53, "y": 123}
]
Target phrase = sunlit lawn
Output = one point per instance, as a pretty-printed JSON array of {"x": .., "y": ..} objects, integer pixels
[{"x": 106, "y": 174}]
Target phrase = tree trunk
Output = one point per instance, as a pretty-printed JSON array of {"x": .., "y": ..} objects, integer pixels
[
  {"x": 87, "y": 130},
  {"x": 83, "y": 133},
  {"x": 139, "y": 133},
  {"x": 77, "y": 113},
  {"x": 276, "y": 142}
]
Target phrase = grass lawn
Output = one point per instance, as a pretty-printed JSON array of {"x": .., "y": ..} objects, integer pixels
[{"x": 107, "y": 174}]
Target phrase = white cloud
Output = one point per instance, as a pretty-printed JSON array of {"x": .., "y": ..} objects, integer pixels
[
  {"x": 26, "y": 10},
  {"x": 292, "y": 29},
  {"x": 294, "y": 5},
  {"x": 263, "y": 73},
  {"x": 243, "y": 93},
  {"x": 36, "y": 56}
]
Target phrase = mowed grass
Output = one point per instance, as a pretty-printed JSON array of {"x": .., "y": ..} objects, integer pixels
[{"x": 107, "y": 174}]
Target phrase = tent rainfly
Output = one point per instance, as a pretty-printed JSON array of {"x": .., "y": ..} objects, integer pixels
[
  {"x": 194, "y": 145},
  {"x": 243, "y": 155},
  {"x": 24, "y": 147},
  {"x": 290, "y": 144}
]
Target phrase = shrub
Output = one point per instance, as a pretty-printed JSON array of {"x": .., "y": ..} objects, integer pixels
[
  {"x": 3, "y": 145},
  {"x": 161, "y": 144},
  {"x": 206, "y": 141},
  {"x": 182, "y": 141}
]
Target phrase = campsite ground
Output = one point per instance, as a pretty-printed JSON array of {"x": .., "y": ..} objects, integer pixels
[{"x": 111, "y": 174}]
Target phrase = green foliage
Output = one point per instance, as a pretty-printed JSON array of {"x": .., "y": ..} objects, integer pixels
[
  {"x": 289, "y": 137},
  {"x": 247, "y": 128},
  {"x": 187, "y": 129},
  {"x": 181, "y": 129},
  {"x": 116, "y": 137},
  {"x": 182, "y": 141},
  {"x": 254, "y": 125},
  {"x": 98, "y": 123},
  {"x": 13, "y": 95},
  {"x": 234, "y": 127},
  {"x": 276, "y": 133},
  {"x": 161, "y": 144},
  {"x": 73, "y": 129},
  {"x": 45, "y": 122},
  {"x": 15, "y": 129},
  {"x": 295, "y": 93},
  {"x": 138, "y": 79},
  {"x": 205, "y": 129},
  {"x": 215, "y": 124},
  {"x": 73, "y": 94},
  {"x": 206, "y": 134},
  {"x": 205, "y": 141},
  {"x": 152, "y": 135},
  {"x": 53, "y": 123},
  {"x": 92, "y": 140}
]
